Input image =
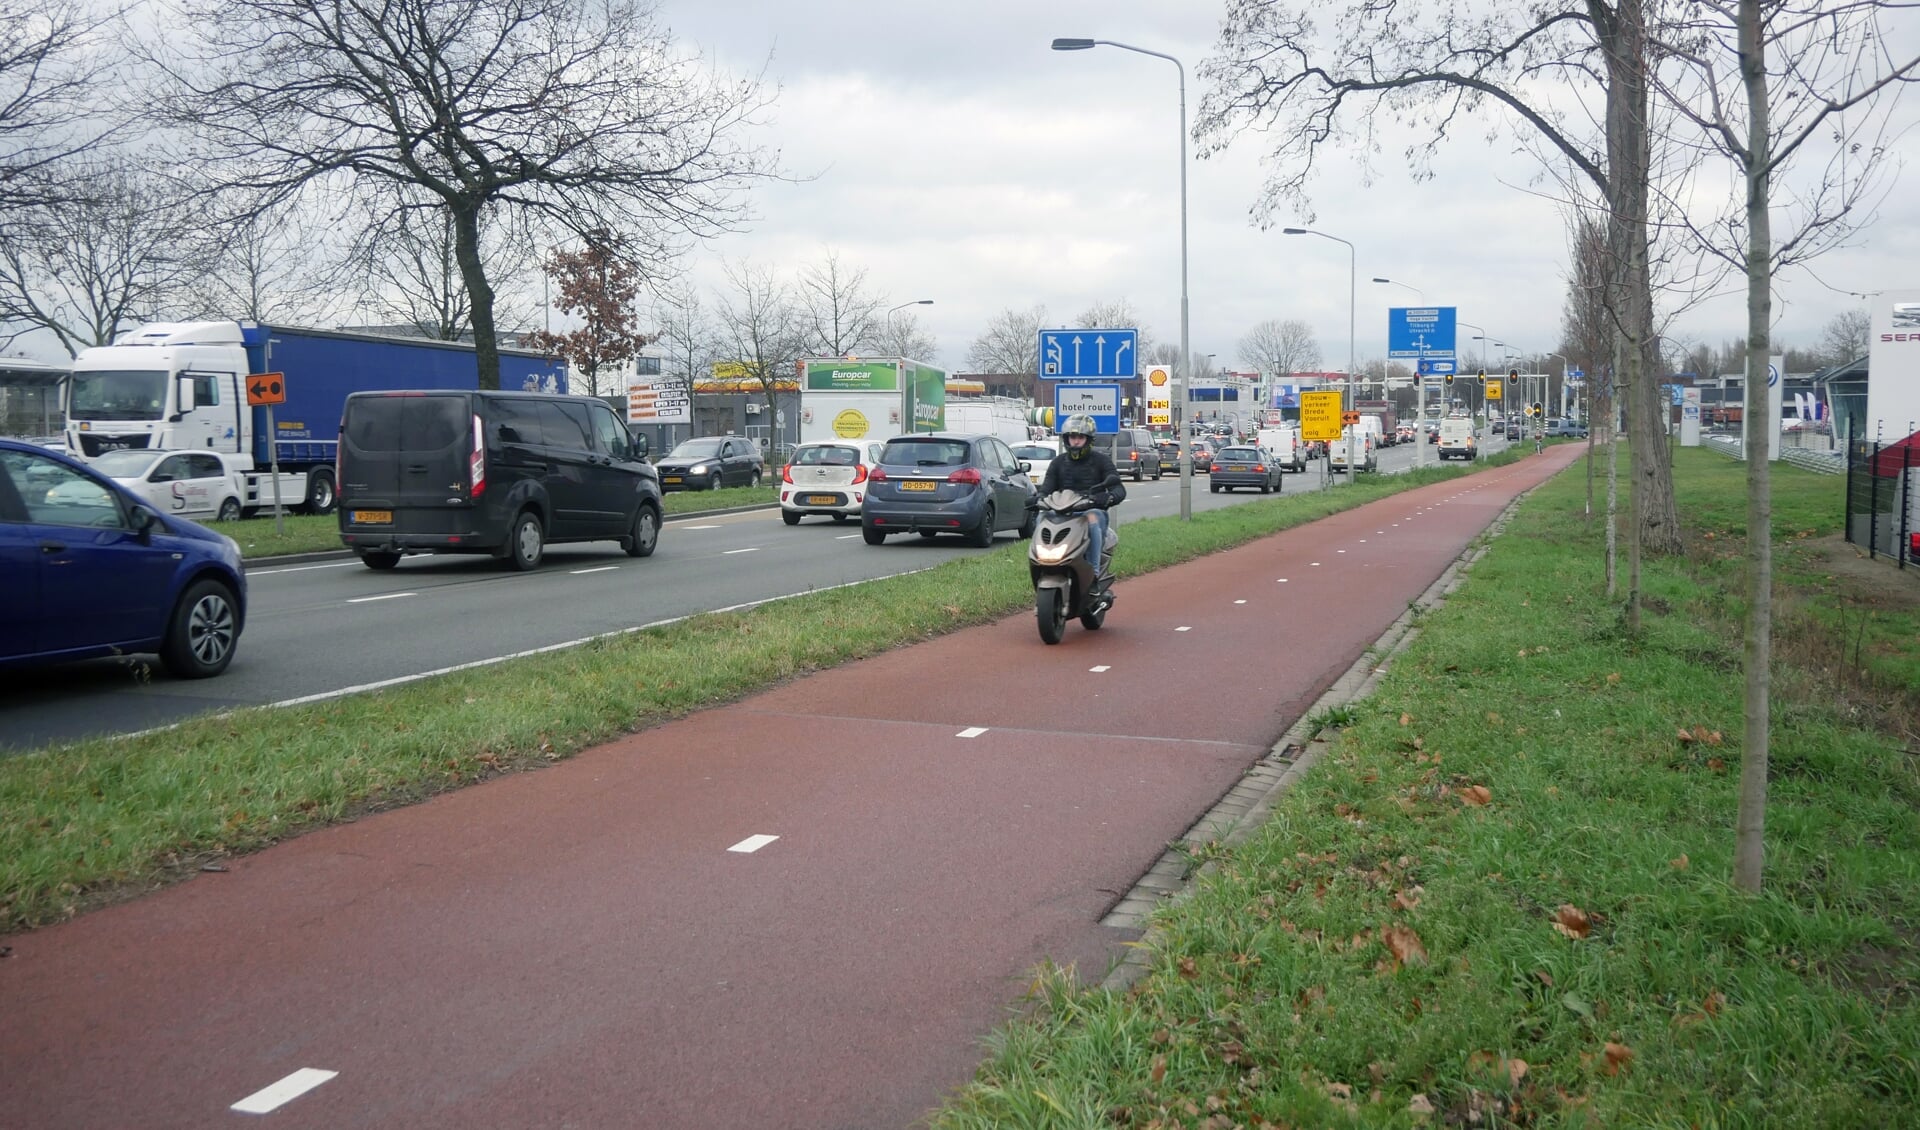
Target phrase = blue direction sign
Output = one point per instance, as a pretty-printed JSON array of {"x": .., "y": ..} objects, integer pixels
[
  {"x": 1420, "y": 331},
  {"x": 1430, "y": 367},
  {"x": 1070, "y": 355},
  {"x": 1100, "y": 401}
]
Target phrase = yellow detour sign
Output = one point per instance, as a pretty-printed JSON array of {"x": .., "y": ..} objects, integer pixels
[
  {"x": 1493, "y": 388},
  {"x": 1320, "y": 415}
]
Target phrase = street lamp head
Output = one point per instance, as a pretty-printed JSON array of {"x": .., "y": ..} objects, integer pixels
[
  {"x": 1072, "y": 44},
  {"x": 1295, "y": 231},
  {"x": 1383, "y": 280}
]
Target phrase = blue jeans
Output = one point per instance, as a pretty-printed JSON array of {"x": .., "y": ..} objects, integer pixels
[{"x": 1096, "y": 538}]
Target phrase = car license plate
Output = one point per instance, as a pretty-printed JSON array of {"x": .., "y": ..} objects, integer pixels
[
  {"x": 822, "y": 499},
  {"x": 919, "y": 484},
  {"x": 373, "y": 517},
  {"x": 669, "y": 478}
]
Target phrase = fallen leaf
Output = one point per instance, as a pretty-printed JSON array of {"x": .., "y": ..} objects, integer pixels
[
  {"x": 1618, "y": 1057},
  {"x": 1406, "y": 719},
  {"x": 1476, "y": 795},
  {"x": 1405, "y": 945},
  {"x": 1406, "y": 900},
  {"x": 1685, "y": 736},
  {"x": 1419, "y": 1106},
  {"x": 1714, "y": 1003},
  {"x": 1613, "y": 678},
  {"x": 1572, "y": 921},
  {"x": 1342, "y": 1091},
  {"x": 1680, "y": 864},
  {"x": 1545, "y": 977},
  {"x": 1715, "y": 737},
  {"x": 1717, "y": 765},
  {"x": 1188, "y": 969},
  {"x": 1159, "y": 1071},
  {"x": 1516, "y": 1070}
]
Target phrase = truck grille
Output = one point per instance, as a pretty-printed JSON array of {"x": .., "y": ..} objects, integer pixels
[{"x": 91, "y": 444}]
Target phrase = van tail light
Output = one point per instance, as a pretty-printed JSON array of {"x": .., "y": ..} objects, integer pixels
[
  {"x": 477, "y": 465},
  {"x": 786, "y": 473},
  {"x": 965, "y": 475},
  {"x": 878, "y": 476},
  {"x": 860, "y": 473}
]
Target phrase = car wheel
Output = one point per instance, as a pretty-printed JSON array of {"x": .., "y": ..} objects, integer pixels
[
  {"x": 1214, "y": 487},
  {"x": 713, "y": 481},
  {"x": 320, "y": 493},
  {"x": 204, "y": 628},
  {"x": 1266, "y": 488},
  {"x": 840, "y": 518},
  {"x": 1050, "y": 613},
  {"x": 1027, "y": 526},
  {"x": 928, "y": 534},
  {"x": 646, "y": 532},
  {"x": 1139, "y": 473},
  {"x": 527, "y": 542},
  {"x": 229, "y": 511},
  {"x": 982, "y": 535},
  {"x": 379, "y": 560},
  {"x": 790, "y": 517},
  {"x": 756, "y": 478},
  {"x": 873, "y": 536}
]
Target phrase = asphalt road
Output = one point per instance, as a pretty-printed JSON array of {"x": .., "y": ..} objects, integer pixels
[{"x": 322, "y": 628}]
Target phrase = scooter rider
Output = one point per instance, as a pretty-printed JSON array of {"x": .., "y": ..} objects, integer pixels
[{"x": 1084, "y": 468}]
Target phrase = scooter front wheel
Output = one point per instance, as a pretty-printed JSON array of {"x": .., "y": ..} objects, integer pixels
[{"x": 1050, "y": 610}]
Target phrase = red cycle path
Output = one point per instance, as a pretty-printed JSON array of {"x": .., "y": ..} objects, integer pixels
[{"x": 578, "y": 947}]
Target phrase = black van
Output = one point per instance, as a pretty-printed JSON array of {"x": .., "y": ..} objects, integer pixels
[{"x": 504, "y": 473}]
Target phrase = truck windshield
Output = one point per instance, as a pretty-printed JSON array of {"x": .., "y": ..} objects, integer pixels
[{"x": 138, "y": 394}]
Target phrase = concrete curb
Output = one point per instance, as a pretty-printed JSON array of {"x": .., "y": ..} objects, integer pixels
[{"x": 1240, "y": 813}]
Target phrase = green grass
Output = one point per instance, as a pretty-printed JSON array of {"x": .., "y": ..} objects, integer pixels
[
  {"x": 1273, "y": 996},
  {"x": 91, "y": 822},
  {"x": 320, "y": 533}
]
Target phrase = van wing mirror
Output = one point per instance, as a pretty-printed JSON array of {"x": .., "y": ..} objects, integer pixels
[{"x": 637, "y": 444}]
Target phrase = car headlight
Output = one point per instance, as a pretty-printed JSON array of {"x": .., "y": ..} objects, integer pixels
[{"x": 697, "y": 469}]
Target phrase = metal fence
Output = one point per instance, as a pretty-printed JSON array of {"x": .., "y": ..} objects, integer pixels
[{"x": 1883, "y": 498}]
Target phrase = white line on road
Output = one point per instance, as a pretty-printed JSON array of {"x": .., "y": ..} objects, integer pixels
[
  {"x": 752, "y": 844},
  {"x": 597, "y": 569},
  {"x": 252, "y": 573},
  {"x": 1280, "y": 580},
  {"x": 1184, "y": 628},
  {"x": 699, "y": 527},
  {"x": 283, "y": 1092},
  {"x": 1239, "y": 602},
  {"x": 971, "y": 732},
  {"x": 382, "y": 596},
  {"x": 846, "y": 537},
  {"x": 731, "y": 552}
]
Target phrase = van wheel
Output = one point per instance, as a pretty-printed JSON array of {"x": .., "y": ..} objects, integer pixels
[
  {"x": 646, "y": 532},
  {"x": 527, "y": 542},
  {"x": 320, "y": 493},
  {"x": 790, "y": 517},
  {"x": 229, "y": 510},
  {"x": 202, "y": 632},
  {"x": 1138, "y": 474},
  {"x": 379, "y": 560},
  {"x": 1157, "y": 472}
]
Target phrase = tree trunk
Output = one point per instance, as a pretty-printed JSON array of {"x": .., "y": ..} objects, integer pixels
[
  {"x": 466, "y": 249},
  {"x": 1750, "y": 828}
]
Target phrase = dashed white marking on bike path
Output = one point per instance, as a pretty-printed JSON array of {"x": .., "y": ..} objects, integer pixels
[
  {"x": 971, "y": 732},
  {"x": 285, "y": 1091},
  {"x": 752, "y": 844}
]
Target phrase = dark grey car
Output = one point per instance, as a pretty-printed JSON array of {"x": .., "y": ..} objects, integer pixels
[
  {"x": 947, "y": 483},
  {"x": 1244, "y": 466}
]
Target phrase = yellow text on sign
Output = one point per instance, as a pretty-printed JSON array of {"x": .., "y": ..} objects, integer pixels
[{"x": 1320, "y": 415}]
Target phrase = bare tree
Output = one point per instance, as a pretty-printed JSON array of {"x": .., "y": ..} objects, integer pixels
[
  {"x": 1120, "y": 314},
  {"x": 1010, "y": 343},
  {"x": 53, "y": 75},
  {"x": 1846, "y": 337},
  {"x": 837, "y": 314},
  {"x": 1828, "y": 59},
  {"x": 404, "y": 265},
  {"x": 900, "y": 335},
  {"x": 687, "y": 335},
  {"x": 86, "y": 266},
  {"x": 598, "y": 283},
  {"x": 1277, "y": 348},
  {"x": 269, "y": 267},
  {"x": 760, "y": 327},
  {"x": 574, "y": 115}
]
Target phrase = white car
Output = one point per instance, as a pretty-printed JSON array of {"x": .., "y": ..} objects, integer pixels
[
  {"x": 191, "y": 484},
  {"x": 1036, "y": 453},
  {"x": 827, "y": 477}
]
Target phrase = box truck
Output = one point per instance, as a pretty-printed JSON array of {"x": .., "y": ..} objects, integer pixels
[
  {"x": 871, "y": 399},
  {"x": 183, "y": 386}
]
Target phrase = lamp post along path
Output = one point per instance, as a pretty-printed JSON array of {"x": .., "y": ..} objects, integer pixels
[
  {"x": 1353, "y": 434},
  {"x": 1185, "y": 371}
]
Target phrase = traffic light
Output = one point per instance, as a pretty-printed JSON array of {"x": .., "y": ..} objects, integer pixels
[
  {"x": 1539, "y": 409},
  {"x": 1449, "y": 380},
  {"x": 1513, "y": 374},
  {"x": 1481, "y": 375}
]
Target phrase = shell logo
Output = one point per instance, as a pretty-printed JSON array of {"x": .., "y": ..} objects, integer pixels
[
  {"x": 1157, "y": 376},
  {"x": 850, "y": 424}
]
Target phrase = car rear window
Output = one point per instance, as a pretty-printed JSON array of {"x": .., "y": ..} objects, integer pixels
[
  {"x": 1238, "y": 455},
  {"x": 924, "y": 453},
  {"x": 827, "y": 456},
  {"x": 1034, "y": 451}
]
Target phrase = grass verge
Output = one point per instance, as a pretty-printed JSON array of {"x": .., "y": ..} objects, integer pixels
[
  {"x": 92, "y": 822},
  {"x": 320, "y": 533},
  {"x": 1501, "y": 896}
]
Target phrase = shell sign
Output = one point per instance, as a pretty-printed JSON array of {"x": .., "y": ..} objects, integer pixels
[{"x": 1159, "y": 400}]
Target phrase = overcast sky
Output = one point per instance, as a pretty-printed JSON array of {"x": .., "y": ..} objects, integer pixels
[{"x": 955, "y": 157}]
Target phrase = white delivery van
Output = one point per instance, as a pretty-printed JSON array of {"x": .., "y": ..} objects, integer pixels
[
  {"x": 1284, "y": 446},
  {"x": 1364, "y": 450},
  {"x": 1457, "y": 439}
]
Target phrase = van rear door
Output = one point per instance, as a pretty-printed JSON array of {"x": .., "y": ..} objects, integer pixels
[{"x": 406, "y": 451}]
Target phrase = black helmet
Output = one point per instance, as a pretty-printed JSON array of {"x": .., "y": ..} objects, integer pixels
[{"x": 1078, "y": 424}]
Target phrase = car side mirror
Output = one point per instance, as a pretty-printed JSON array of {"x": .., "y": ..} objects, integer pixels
[
  {"x": 144, "y": 520},
  {"x": 1025, "y": 466}
]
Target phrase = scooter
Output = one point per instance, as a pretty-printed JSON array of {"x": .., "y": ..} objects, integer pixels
[{"x": 1064, "y": 585}]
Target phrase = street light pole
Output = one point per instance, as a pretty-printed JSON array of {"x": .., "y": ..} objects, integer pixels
[
  {"x": 1419, "y": 385},
  {"x": 1353, "y": 468},
  {"x": 1186, "y": 358},
  {"x": 903, "y": 306}
]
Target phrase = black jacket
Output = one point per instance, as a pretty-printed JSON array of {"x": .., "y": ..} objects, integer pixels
[{"x": 1092, "y": 474}]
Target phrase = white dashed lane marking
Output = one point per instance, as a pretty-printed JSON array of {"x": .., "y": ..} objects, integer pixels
[
  {"x": 285, "y": 1091},
  {"x": 752, "y": 844},
  {"x": 731, "y": 552},
  {"x": 600, "y": 569},
  {"x": 971, "y": 732},
  {"x": 382, "y": 596}
]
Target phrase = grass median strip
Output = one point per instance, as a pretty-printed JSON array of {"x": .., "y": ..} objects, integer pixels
[
  {"x": 1501, "y": 897},
  {"x": 95, "y": 821}
]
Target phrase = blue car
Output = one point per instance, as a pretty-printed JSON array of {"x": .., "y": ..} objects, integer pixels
[{"x": 88, "y": 570}]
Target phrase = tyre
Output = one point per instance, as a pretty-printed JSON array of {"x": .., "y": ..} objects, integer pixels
[
  {"x": 202, "y": 632},
  {"x": 379, "y": 560},
  {"x": 928, "y": 534},
  {"x": 1026, "y": 527},
  {"x": 229, "y": 511},
  {"x": 320, "y": 493},
  {"x": 1050, "y": 612},
  {"x": 873, "y": 536},
  {"x": 527, "y": 543},
  {"x": 645, "y": 535},
  {"x": 713, "y": 481},
  {"x": 1138, "y": 473},
  {"x": 1158, "y": 471},
  {"x": 756, "y": 478},
  {"x": 840, "y": 518},
  {"x": 1092, "y": 621},
  {"x": 1214, "y": 487},
  {"x": 981, "y": 536},
  {"x": 1265, "y": 489},
  {"x": 790, "y": 517}
]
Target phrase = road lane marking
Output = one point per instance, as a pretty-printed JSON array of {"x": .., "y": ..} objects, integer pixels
[
  {"x": 971, "y": 732},
  {"x": 285, "y": 1091},
  {"x": 699, "y": 527},
  {"x": 1239, "y": 602},
  {"x": 597, "y": 569},
  {"x": 731, "y": 552},
  {"x": 382, "y": 596},
  {"x": 846, "y": 537},
  {"x": 1099, "y": 669},
  {"x": 1280, "y": 580},
  {"x": 252, "y": 573},
  {"x": 1184, "y": 628},
  {"x": 752, "y": 844},
  {"x": 1316, "y": 563}
]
